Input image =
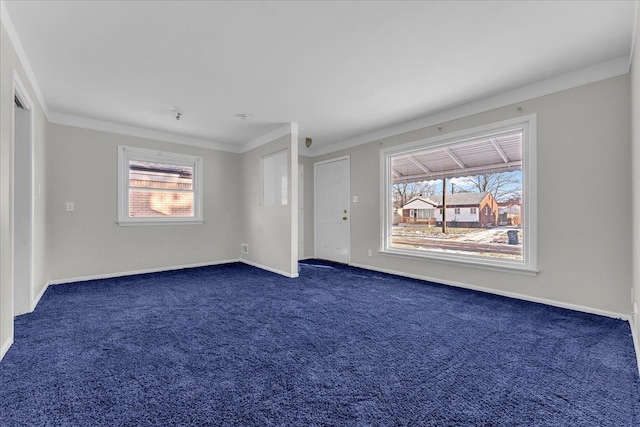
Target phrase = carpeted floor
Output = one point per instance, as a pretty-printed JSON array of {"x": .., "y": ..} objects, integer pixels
[{"x": 339, "y": 346}]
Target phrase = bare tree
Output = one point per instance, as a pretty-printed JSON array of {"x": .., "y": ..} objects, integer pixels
[
  {"x": 403, "y": 192},
  {"x": 501, "y": 185}
]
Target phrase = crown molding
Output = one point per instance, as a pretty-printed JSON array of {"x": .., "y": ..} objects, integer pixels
[
  {"x": 5, "y": 18},
  {"x": 104, "y": 126},
  {"x": 608, "y": 69},
  {"x": 290, "y": 128}
]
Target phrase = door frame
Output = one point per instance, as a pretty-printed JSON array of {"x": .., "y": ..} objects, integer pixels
[
  {"x": 315, "y": 203},
  {"x": 301, "y": 211},
  {"x": 20, "y": 92}
]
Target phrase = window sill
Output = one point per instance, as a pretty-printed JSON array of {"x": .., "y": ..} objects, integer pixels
[
  {"x": 463, "y": 261},
  {"x": 162, "y": 222}
]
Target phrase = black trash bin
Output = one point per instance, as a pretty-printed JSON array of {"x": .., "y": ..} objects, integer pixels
[{"x": 513, "y": 237}]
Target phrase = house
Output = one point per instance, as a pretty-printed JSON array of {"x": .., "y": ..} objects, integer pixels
[
  {"x": 510, "y": 213},
  {"x": 463, "y": 210},
  {"x": 226, "y": 85}
]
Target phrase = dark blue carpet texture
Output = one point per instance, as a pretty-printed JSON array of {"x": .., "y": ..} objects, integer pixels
[{"x": 232, "y": 345}]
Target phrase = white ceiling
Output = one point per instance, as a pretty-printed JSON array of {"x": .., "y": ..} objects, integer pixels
[{"x": 338, "y": 69}]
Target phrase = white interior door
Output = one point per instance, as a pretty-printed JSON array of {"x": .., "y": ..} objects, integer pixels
[{"x": 332, "y": 214}]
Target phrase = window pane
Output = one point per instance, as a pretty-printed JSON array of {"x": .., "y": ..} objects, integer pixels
[
  {"x": 160, "y": 175},
  {"x": 158, "y": 203},
  {"x": 461, "y": 198}
]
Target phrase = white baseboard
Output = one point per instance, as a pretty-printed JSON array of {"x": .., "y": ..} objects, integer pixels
[
  {"x": 145, "y": 271},
  {"x": 5, "y": 347},
  {"x": 515, "y": 295},
  {"x": 38, "y": 297},
  {"x": 273, "y": 270},
  {"x": 636, "y": 341}
]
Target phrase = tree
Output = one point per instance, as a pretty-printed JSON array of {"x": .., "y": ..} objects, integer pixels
[
  {"x": 502, "y": 186},
  {"x": 403, "y": 192}
]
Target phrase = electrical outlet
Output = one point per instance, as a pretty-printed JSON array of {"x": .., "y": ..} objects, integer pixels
[
  {"x": 355, "y": 199},
  {"x": 244, "y": 248},
  {"x": 369, "y": 252},
  {"x": 70, "y": 206}
]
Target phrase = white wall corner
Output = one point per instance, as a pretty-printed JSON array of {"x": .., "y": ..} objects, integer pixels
[
  {"x": 272, "y": 270},
  {"x": 5, "y": 18},
  {"x": 289, "y": 128},
  {"x": 38, "y": 297}
]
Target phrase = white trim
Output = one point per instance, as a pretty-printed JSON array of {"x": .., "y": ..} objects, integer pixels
[
  {"x": 315, "y": 202},
  {"x": 575, "y": 307},
  {"x": 289, "y": 128},
  {"x": 605, "y": 70},
  {"x": 158, "y": 221},
  {"x": 272, "y": 270},
  {"x": 460, "y": 261},
  {"x": 636, "y": 340},
  {"x": 120, "y": 129},
  {"x": 135, "y": 272},
  {"x": 20, "y": 92},
  {"x": 38, "y": 297},
  {"x": 5, "y": 347},
  {"x": 528, "y": 124},
  {"x": 634, "y": 31},
  {"x": 22, "y": 56}
]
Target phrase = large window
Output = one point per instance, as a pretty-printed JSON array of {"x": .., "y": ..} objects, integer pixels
[
  {"x": 158, "y": 187},
  {"x": 474, "y": 194}
]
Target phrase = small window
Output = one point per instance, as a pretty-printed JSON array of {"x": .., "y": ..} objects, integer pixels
[
  {"x": 158, "y": 187},
  {"x": 473, "y": 211},
  {"x": 457, "y": 211}
]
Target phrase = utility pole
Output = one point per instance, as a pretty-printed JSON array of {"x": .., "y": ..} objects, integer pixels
[{"x": 444, "y": 205}]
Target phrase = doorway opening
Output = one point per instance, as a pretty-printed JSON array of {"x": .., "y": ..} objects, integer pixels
[{"x": 22, "y": 200}]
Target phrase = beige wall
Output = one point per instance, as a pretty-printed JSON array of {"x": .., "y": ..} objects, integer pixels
[
  {"x": 82, "y": 168},
  {"x": 583, "y": 210},
  {"x": 8, "y": 64},
  {"x": 635, "y": 126},
  {"x": 270, "y": 231}
]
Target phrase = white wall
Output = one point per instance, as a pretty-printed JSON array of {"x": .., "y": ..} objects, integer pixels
[
  {"x": 583, "y": 166},
  {"x": 635, "y": 124},
  {"x": 307, "y": 163},
  {"x": 9, "y": 63},
  {"x": 83, "y": 167},
  {"x": 270, "y": 231}
]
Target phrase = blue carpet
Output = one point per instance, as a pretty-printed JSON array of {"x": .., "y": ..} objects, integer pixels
[{"x": 339, "y": 346}]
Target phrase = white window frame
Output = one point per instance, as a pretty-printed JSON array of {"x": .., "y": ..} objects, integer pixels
[
  {"x": 528, "y": 265},
  {"x": 126, "y": 154}
]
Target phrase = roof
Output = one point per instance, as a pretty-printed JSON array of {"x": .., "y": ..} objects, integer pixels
[
  {"x": 457, "y": 199},
  {"x": 485, "y": 154}
]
